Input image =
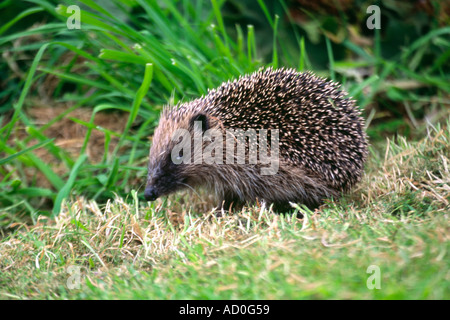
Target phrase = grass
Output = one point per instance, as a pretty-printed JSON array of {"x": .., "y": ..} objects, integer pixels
[
  {"x": 397, "y": 221},
  {"x": 78, "y": 106}
]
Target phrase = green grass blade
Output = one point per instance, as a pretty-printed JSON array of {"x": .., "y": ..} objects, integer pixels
[
  {"x": 275, "y": 37},
  {"x": 218, "y": 14},
  {"x": 28, "y": 82},
  {"x": 251, "y": 44},
  {"x": 35, "y": 192},
  {"x": 46, "y": 170},
  {"x": 148, "y": 76},
  {"x": 266, "y": 13},
  {"x": 22, "y": 15},
  {"x": 65, "y": 190},
  {"x": 330, "y": 58},
  {"x": 108, "y": 54},
  {"x": 78, "y": 79},
  {"x": 21, "y": 152}
]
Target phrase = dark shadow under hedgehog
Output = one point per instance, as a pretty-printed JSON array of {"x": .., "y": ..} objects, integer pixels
[{"x": 321, "y": 142}]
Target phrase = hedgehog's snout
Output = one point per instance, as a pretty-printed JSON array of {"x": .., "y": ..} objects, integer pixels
[
  {"x": 152, "y": 191},
  {"x": 162, "y": 181},
  {"x": 151, "y": 194}
]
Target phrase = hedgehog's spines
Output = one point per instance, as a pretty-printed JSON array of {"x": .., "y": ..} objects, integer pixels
[{"x": 321, "y": 129}]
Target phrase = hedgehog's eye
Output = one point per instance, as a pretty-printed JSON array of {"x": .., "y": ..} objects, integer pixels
[{"x": 200, "y": 122}]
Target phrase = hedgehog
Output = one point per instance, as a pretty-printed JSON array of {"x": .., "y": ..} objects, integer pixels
[{"x": 318, "y": 145}]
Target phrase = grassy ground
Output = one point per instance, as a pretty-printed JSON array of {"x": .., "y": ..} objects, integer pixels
[
  {"x": 397, "y": 221},
  {"x": 77, "y": 108}
]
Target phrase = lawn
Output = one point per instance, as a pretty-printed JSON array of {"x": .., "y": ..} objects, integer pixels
[{"x": 78, "y": 108}]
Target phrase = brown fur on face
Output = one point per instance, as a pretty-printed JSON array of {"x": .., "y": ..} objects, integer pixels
[{"x": 322, "y": 143}]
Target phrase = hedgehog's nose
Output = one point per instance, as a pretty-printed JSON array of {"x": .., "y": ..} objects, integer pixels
[{"x": 150, "y": 194}]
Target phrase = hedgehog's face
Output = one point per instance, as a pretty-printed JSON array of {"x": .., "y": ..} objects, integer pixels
[
  {"x": 164, "y": 177},
  {"x": 168, "y": 168}
]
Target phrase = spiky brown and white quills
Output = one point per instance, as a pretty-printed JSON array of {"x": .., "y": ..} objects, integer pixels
[{"x": 321, "y": 141}]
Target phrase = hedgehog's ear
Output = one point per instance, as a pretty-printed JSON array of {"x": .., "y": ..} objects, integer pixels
[{"x": 200, "y": 122}]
